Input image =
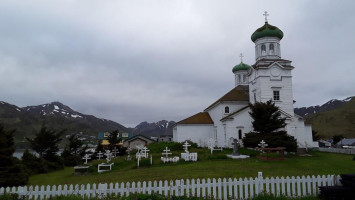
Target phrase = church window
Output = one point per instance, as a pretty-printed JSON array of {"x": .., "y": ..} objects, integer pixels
[
  {"x": 240, "y": 134},
  {"x": 239, "y": 78},
  {"x": 254, "y": 97},
  {"x": 226, "y": 109},
  {"x": 276, "y": 95},
  {"x": 243, "y": 77},
  {"x": 271, "y": 47},
  {"x": 263, "y": 48}
]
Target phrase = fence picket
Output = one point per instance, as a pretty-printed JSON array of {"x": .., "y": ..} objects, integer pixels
[
  {"x": 209, "y": 185},
  {"x": 246, "y": 184},
  {"x": 277, "y": 181},
  {"x": 187, "y": 188},
  {"x": 219, "y": 188},
  {"x": 193, "y": 187},
  {"x": 198, "y": 186},
  {"x": 251, "y": 189},
  {"x": 214, "y": 185},
  {"x": 230, "y": 188},
  {"x": 166, "y": 186},
  {"x": 204, "y": 187},
  {"x": 288, "y": 186},
  {"x": 293, "y": 186},
  {"x": 267, "y": 185},
  {"x": 282, "y": 181},
  {"x": 241, "y": 183}
]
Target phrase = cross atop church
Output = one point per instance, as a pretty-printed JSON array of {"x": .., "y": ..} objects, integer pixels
[
  {"x": 266, "y": 14},
  {"x": 241, "y": 57}
]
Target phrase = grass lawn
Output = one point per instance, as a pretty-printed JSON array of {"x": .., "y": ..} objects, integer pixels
[{"x": 215, "y": 166}]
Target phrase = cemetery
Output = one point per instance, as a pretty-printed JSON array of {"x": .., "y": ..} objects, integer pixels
[{"x": 166, "y": 168}]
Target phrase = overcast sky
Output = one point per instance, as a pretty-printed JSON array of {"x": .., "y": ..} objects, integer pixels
[{"x": 133, "y": 61}]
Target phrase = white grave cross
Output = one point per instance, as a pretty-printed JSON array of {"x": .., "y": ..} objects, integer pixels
[
  {"x": 186, "y": 146},
  {"x": 166, "y": 152},
  {"x": 115, "y": 151},
  {"x": 108, "y": 155},
  {"x": 86, "y": 157},
  {"x": 99, "y": 155},
  {"x": 145, "y": 152},
  {"x": 263, "y": 144}
]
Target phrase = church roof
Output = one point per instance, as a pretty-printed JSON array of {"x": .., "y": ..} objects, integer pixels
[
  {"x": 267, "y": 30},
  {"x": 233, "y": 113},
  {"x": 199, "y": 118},
  {"x": 239, "y": 93},
  {"x": 241, "y": 66}
]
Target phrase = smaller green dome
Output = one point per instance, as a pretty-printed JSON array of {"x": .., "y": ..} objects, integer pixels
[
  {"x": 240, "y": 66},
  {"x": 267, "y": 31}
]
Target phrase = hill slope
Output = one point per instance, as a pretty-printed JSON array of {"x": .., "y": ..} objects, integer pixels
[{"x": 340, "y": 120}]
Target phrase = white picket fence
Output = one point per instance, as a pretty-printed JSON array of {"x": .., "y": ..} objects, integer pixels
[{"x": 221, "y": 188}]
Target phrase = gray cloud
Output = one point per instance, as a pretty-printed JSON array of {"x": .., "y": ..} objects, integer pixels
[{"x": 146, "y": 61}]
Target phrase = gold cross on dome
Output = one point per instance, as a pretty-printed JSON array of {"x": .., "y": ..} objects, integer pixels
[
  {"x": 266, "y": 15},
  {"x": 241, "y": 57}
]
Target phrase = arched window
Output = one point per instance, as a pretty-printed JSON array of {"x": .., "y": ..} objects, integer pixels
[
  {"x": 240, "y": 134},
  {"x": 226, "y": 109},
  {"x": 271, "y": 47},
  {"x": 263, "y": 48},
  {"x": 239, "y": 79},
  {"x": 243, "y": 77}
]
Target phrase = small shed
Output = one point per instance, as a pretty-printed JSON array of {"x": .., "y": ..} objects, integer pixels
[{"x": 138, "y": 140}]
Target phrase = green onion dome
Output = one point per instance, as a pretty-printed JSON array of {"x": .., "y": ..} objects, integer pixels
[
  {"x": 267, "y": 31},
  {"x": 240, "y": 66}
]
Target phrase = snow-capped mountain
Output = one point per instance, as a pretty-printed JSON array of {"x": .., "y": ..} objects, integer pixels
[
  {"x": 55, "y": 115},
  {"x": 162, "y": 127},
  {"x": 330, "y": 105},
  {"x": 54, "y": 108}
]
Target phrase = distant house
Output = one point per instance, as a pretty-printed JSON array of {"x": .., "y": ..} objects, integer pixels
[
  {"x": 102, "y": 136},
  {"x": 138, "y": 140},
  {"x": 324, "y": 143},
  {"x": 346, "y": 143},
  {"x": 165, "y": 138}
]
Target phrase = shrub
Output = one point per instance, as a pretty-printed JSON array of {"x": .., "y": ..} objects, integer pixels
[
  {"x": 158, "y": 147},
  {"x": 274, "y": 139},
  {"x": 33, "y": 164}
]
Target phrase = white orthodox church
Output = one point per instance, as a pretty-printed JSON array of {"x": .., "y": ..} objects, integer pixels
[{"x": 269, "y": 78}]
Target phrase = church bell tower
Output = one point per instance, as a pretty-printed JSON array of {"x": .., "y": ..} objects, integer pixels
[{"x": 270, "y": 77}]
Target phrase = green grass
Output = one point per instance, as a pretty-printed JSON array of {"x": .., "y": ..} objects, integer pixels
[{"x": 208, "y": 166}]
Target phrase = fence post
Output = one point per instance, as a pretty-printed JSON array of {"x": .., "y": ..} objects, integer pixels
[{"x": 260, "y": 183}]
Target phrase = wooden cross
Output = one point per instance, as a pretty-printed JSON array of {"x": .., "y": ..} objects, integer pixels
[
  {"x": 115, "y": 151},
  {"x": 99, "y": 155},
  {"x": 86, "y": 157},
  {"x": 145, "y": 151},
  {"x": 166, "y": 152},
  {"x": 266, "y": 14},
  {"x": 108, "y": 155},
  {"x": 186, "y": 146},
  {"x": 263, "y": 144}
]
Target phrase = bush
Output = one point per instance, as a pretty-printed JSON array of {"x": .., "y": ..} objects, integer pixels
[
  {"x": 34, "y": 164},
  {"x": 158, "y": 147},
  {"x": 274, "y": 139}
]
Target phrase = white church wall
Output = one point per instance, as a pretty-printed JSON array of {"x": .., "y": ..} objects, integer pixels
[
  {"x": 217, "y": 113},
  {"x": 193, "y": 132},
  {"x": 241, "y": 121}
]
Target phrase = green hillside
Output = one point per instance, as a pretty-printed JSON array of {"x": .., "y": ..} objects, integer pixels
[{"x": 334, "y": 122}]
